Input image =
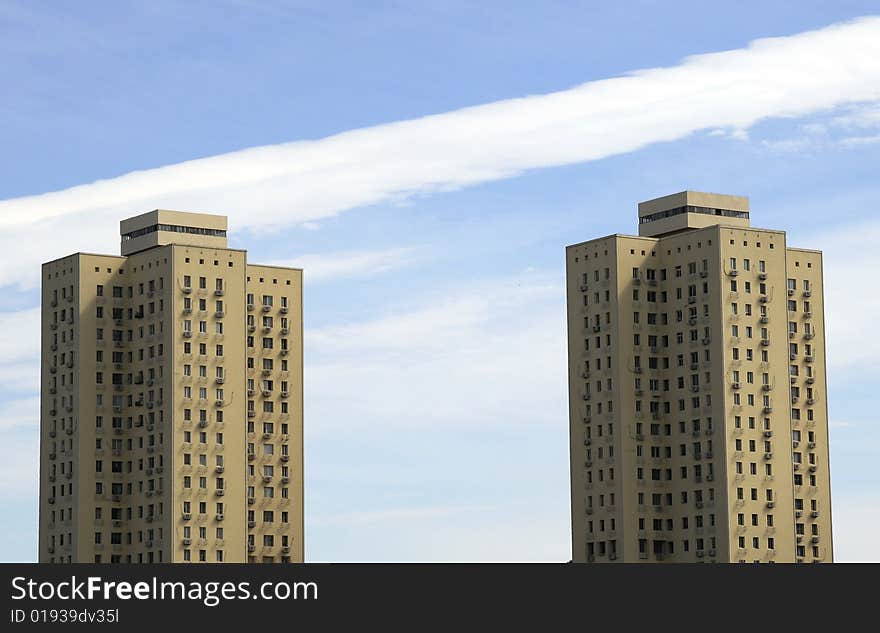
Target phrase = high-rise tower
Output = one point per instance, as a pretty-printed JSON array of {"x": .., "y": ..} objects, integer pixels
[
  {"x": 697, "y": 395},
  {"x": 171, "y": 401}
]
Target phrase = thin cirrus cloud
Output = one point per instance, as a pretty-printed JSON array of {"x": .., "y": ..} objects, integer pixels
[
  {"x": 321, "y": 267},
  {"x": 301, "y": 182}
]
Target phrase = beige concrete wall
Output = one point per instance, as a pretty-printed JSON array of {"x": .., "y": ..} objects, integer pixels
[
  {"x": 704, "y": 483},
  {"x": 281, "y": 429},
  {"x": 139, "y": 425},
  {"x": 769, "y": 429},
  {"x": 813, "y": 533},
  {"x": 201, "y": 529},
  {"x": 163, "y": 238}
]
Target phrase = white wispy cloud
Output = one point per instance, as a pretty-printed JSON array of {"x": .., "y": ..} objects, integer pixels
[
  {"x": 20, "y": 412},
  {"x": 850, "y": 306},
  {"x": 295, "y": 183},
  {"x": 491, "y": 353},
  {"x": 350, "y": 264},
  {"x": 395, "y": 515},
  {"x": 19, "y": 334},
  {"x": 859, "y": 141}
]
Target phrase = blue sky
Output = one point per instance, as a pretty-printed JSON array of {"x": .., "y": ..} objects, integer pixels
[{"x": 433, "y": 247}]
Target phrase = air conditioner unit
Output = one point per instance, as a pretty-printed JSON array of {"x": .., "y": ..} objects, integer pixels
[
  {"x": 251, "y": 501},
  {"x": 710, "y": 477},
  {"x": 798, "y": 513},
  {"x": 768, "y": 455},
  {"x": 220, "y": 492},
  {"x": 218, "y": 470},
  {"x": 813, "y": 468},
  {"x": 266, "y": 372},
  {"x": 285, "y": 458},
  {"x": 266, "y": 308},
  {"x": 252, "y": 548},
  {"x": 285, "y": 480},
  {"x": 692, "y": 299},
  {"x": 796, "y": 466},
  {"x": 219, "y": 517},
  {"x": 251, "y": 457},
  {"x": 795, "y": 443},
  {"x": 765, "y": 342},
  {"x": 700, "y": 553},
  {"x": 814, "y": 514},
  {"x": 267, "y": 479},
  {"x": 808, "y": 359},
  {"x": 706, "y": 341},
  {"x": 159, "y": 469},
  {"x": 808, "y": 315},
  {"x": 733, "y": 273},
  {"x": 219, "y": 314},
  {"x": 735, "y": 385},
  {"x": 187, "y": 542},
  {"x": 771, "y": 504},
  {"x": 708, "y": 454},
  {"x": 768, "y": 409},
  {"x": 812, "y": 445}
]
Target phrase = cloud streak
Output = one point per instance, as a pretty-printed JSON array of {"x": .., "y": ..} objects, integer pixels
[
  {"x": 296, "y": 183},
  {"x": 321, "y": 267}
]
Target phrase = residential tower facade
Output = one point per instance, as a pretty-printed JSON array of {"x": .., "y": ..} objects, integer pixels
[
  {"x": 697, "y": 392},
  {"x": 171, "y": 401}
]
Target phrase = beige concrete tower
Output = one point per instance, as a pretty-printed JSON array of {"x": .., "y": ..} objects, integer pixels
[
  {"x": 148, "y": 408},
  {"x": 697, "y": 411}
]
